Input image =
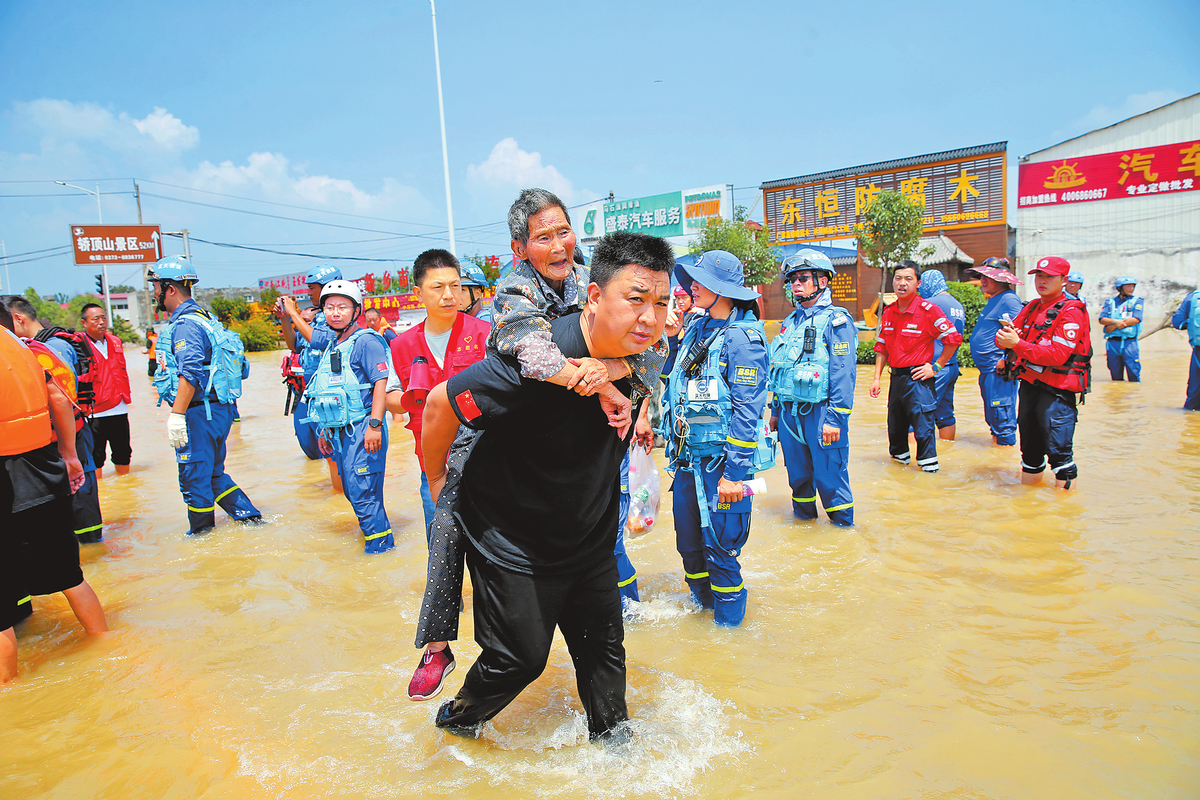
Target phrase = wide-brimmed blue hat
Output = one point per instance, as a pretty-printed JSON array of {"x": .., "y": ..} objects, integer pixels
[{"x": 719, "y": 272}]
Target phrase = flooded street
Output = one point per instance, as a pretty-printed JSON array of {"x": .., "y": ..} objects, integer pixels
[{"x": 970, "y": 637}]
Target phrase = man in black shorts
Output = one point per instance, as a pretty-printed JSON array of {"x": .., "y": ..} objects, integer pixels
[
  {"x": 540, "y": 496},
  {"x": 38, "y": 551}
]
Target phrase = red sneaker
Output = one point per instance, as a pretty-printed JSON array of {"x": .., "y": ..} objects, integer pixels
[{"x": 431, "y": 674}]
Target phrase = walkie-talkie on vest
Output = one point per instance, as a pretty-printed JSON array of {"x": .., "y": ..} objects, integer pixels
[
  {"x": 335, "y": 362},
  {"x": 810, "y": 339}
]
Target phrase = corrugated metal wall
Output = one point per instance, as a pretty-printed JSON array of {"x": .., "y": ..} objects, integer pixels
[{"x": 1154, "y": 238}]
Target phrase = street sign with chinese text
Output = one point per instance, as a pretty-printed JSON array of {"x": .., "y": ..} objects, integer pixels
[
  {"x": 123, "y": 244},
  {"x": 657, "y": 215},
  {"x": 1164, "y": 169},
  {"x": 964, "y": 192}
]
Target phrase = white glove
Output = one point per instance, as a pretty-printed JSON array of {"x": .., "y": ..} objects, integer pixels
[{"x": 177, "y": 433}]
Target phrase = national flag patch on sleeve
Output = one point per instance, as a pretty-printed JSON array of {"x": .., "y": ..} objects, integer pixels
[
  {"x": 381, "y": 366},
  {"x": 466, "y": 405}
]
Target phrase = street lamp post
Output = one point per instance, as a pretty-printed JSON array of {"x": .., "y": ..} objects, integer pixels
[
  {"x": 437, "y": 62},
  {"x": 103, "y": 264}
]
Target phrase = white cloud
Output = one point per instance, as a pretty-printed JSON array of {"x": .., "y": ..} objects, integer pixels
[
  {"x": 271, "y": 176},
  {"x": 1102, "y": 115},
  {"x": 63, "y": 121},
  {"x": 509, "y": 168},
  {"x": 167, "y": 130}
]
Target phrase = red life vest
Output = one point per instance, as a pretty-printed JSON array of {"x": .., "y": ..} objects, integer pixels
[
  {"x": 1075, "y": 375},
  {"x": 61, "y": 372},
  {"x": 113, "y": 385},
  {"x": 468, "y": 344},
  {"x": 85, "y": 363}
]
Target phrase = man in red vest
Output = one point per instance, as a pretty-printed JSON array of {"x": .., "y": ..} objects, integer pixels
[
  {"x": 1051, "y": 352},
  {"x": 110, "y": 420},
  {"x": 448, "y": 340}
]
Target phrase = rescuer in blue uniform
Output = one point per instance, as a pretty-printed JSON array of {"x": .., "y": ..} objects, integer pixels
[
  {"x": 813, "y": 372},
  {"x": 1121, "y": 317},
  {"x": 473, "y": 283},
  {"x": 712, "y": 421},
  {"x": 313, "y": 340},
  {"x": 999, "y": 392},
  {"x": 934, "y": 289},
  {"x": 1188, "y": 316},
  {"x": 1075, "y": 286},
  {"x": 200, "y": 370},
  {"x": 346, "y": 401}
]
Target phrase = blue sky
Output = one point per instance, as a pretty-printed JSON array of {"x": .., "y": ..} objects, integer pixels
[{"x": 328, "y": 114}]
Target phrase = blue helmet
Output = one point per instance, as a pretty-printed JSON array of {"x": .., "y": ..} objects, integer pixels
[
  {"x": 323, "y": 274},
  {"x": 1075, "y": 276},
  {"x": 472, "y": 275},
  {"x": 173, "y": 268},
  {"x": 1125, "y": 280},
  {"x": 806, "y": 259}
]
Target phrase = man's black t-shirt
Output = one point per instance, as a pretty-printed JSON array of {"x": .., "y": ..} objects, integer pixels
[{"x": 541, "y": 490}]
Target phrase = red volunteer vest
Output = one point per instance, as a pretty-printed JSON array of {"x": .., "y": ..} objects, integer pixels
[
  {"x": 1075, "y": 374},
  {"x": 112, "y": 384},
  {"x": 468, "y": 344}
]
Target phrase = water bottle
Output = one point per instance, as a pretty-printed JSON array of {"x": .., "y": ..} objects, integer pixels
[{"x": 754, "y": 486}]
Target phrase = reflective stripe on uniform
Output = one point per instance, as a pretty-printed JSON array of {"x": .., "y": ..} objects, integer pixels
[
  {"x": 904, "y": 459},
  {"x": 925, "y": 461},
  {"x": 224, "y": 493},
  {"x": 740, "y": 443},
  {"x": 1062, "y": 341},
  {"x": 842, "y": 410},
  {"x": 728, "y": 589},
  {"x": 202, "y": 510},
  {"x": 26, "y": 599},
  {"x": 82, "y": 531},
  {"x": 623, "y": 584},
  {"x": 812, "y": 499},
  {"x": 695, "y": 577},
  {"x": 376, "y": 535},
  {"x": 1062, "y": 467},
  {"x": 842, "y": 507}
]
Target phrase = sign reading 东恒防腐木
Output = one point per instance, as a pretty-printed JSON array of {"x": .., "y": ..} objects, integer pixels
[{"x": 953, "y": 191}]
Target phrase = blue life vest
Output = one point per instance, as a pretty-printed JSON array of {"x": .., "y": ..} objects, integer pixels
[
  {"x": 226, "y": 363},
  {"x": 335, "y": 398},
  {"x": 699, "y": 410},
  {"x": 1122, "y": 309},
  {"x": 310, "y": 358},
  {"x": 800, "y": 374},
  {"x": 1193, "y": 328}
]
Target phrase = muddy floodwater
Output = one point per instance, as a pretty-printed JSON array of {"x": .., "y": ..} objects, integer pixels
[{"x": 970, "y": 638}]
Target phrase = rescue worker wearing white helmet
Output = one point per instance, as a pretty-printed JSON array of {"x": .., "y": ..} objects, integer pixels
[
  {"x": 201, "y": 366},
  {"x": 309, "y": 340},
  {"x": 345, "y": 401},
  {"x": 813, "y": 372}
]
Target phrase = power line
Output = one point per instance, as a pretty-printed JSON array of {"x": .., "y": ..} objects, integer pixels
[{"x": 324, "y": 257}]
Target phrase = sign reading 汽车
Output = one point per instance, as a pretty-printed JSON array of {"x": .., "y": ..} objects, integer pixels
[
  {"x": 123, "y": 244},
  {"x": 955, "y": 189},
  {"x": 657, "y": 215},
  {"x": 1163, "y": 169}
]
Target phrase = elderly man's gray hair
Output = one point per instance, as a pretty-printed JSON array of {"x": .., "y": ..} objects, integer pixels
[{"x": 530, "y": 203}]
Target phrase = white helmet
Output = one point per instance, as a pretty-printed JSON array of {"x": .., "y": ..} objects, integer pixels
[{"x": 342, "y": 289}]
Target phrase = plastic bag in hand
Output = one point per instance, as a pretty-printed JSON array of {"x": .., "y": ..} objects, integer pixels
[{"x": 645, "y": 492}]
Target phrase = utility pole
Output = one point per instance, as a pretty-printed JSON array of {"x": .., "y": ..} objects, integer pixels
[
  {"x": 437, "y": 61},
  {"x": 147, "y": 309},
  {"x": 100, "y": 215}
]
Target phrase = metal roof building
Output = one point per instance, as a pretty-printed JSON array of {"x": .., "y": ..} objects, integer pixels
[{"x": 1119, "y": 200}]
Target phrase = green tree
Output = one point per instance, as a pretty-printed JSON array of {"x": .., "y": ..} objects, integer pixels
[
  {"x": 889, "y": 233},
  {"x": 972, "y": 300},
  {"x": 267, "y": 298},
  {"x": 257, "y": 335},
  {"x": 228, "y": 309},
  {"x": 750, "y": 244},
  {"x": 122, "y": 287}
]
